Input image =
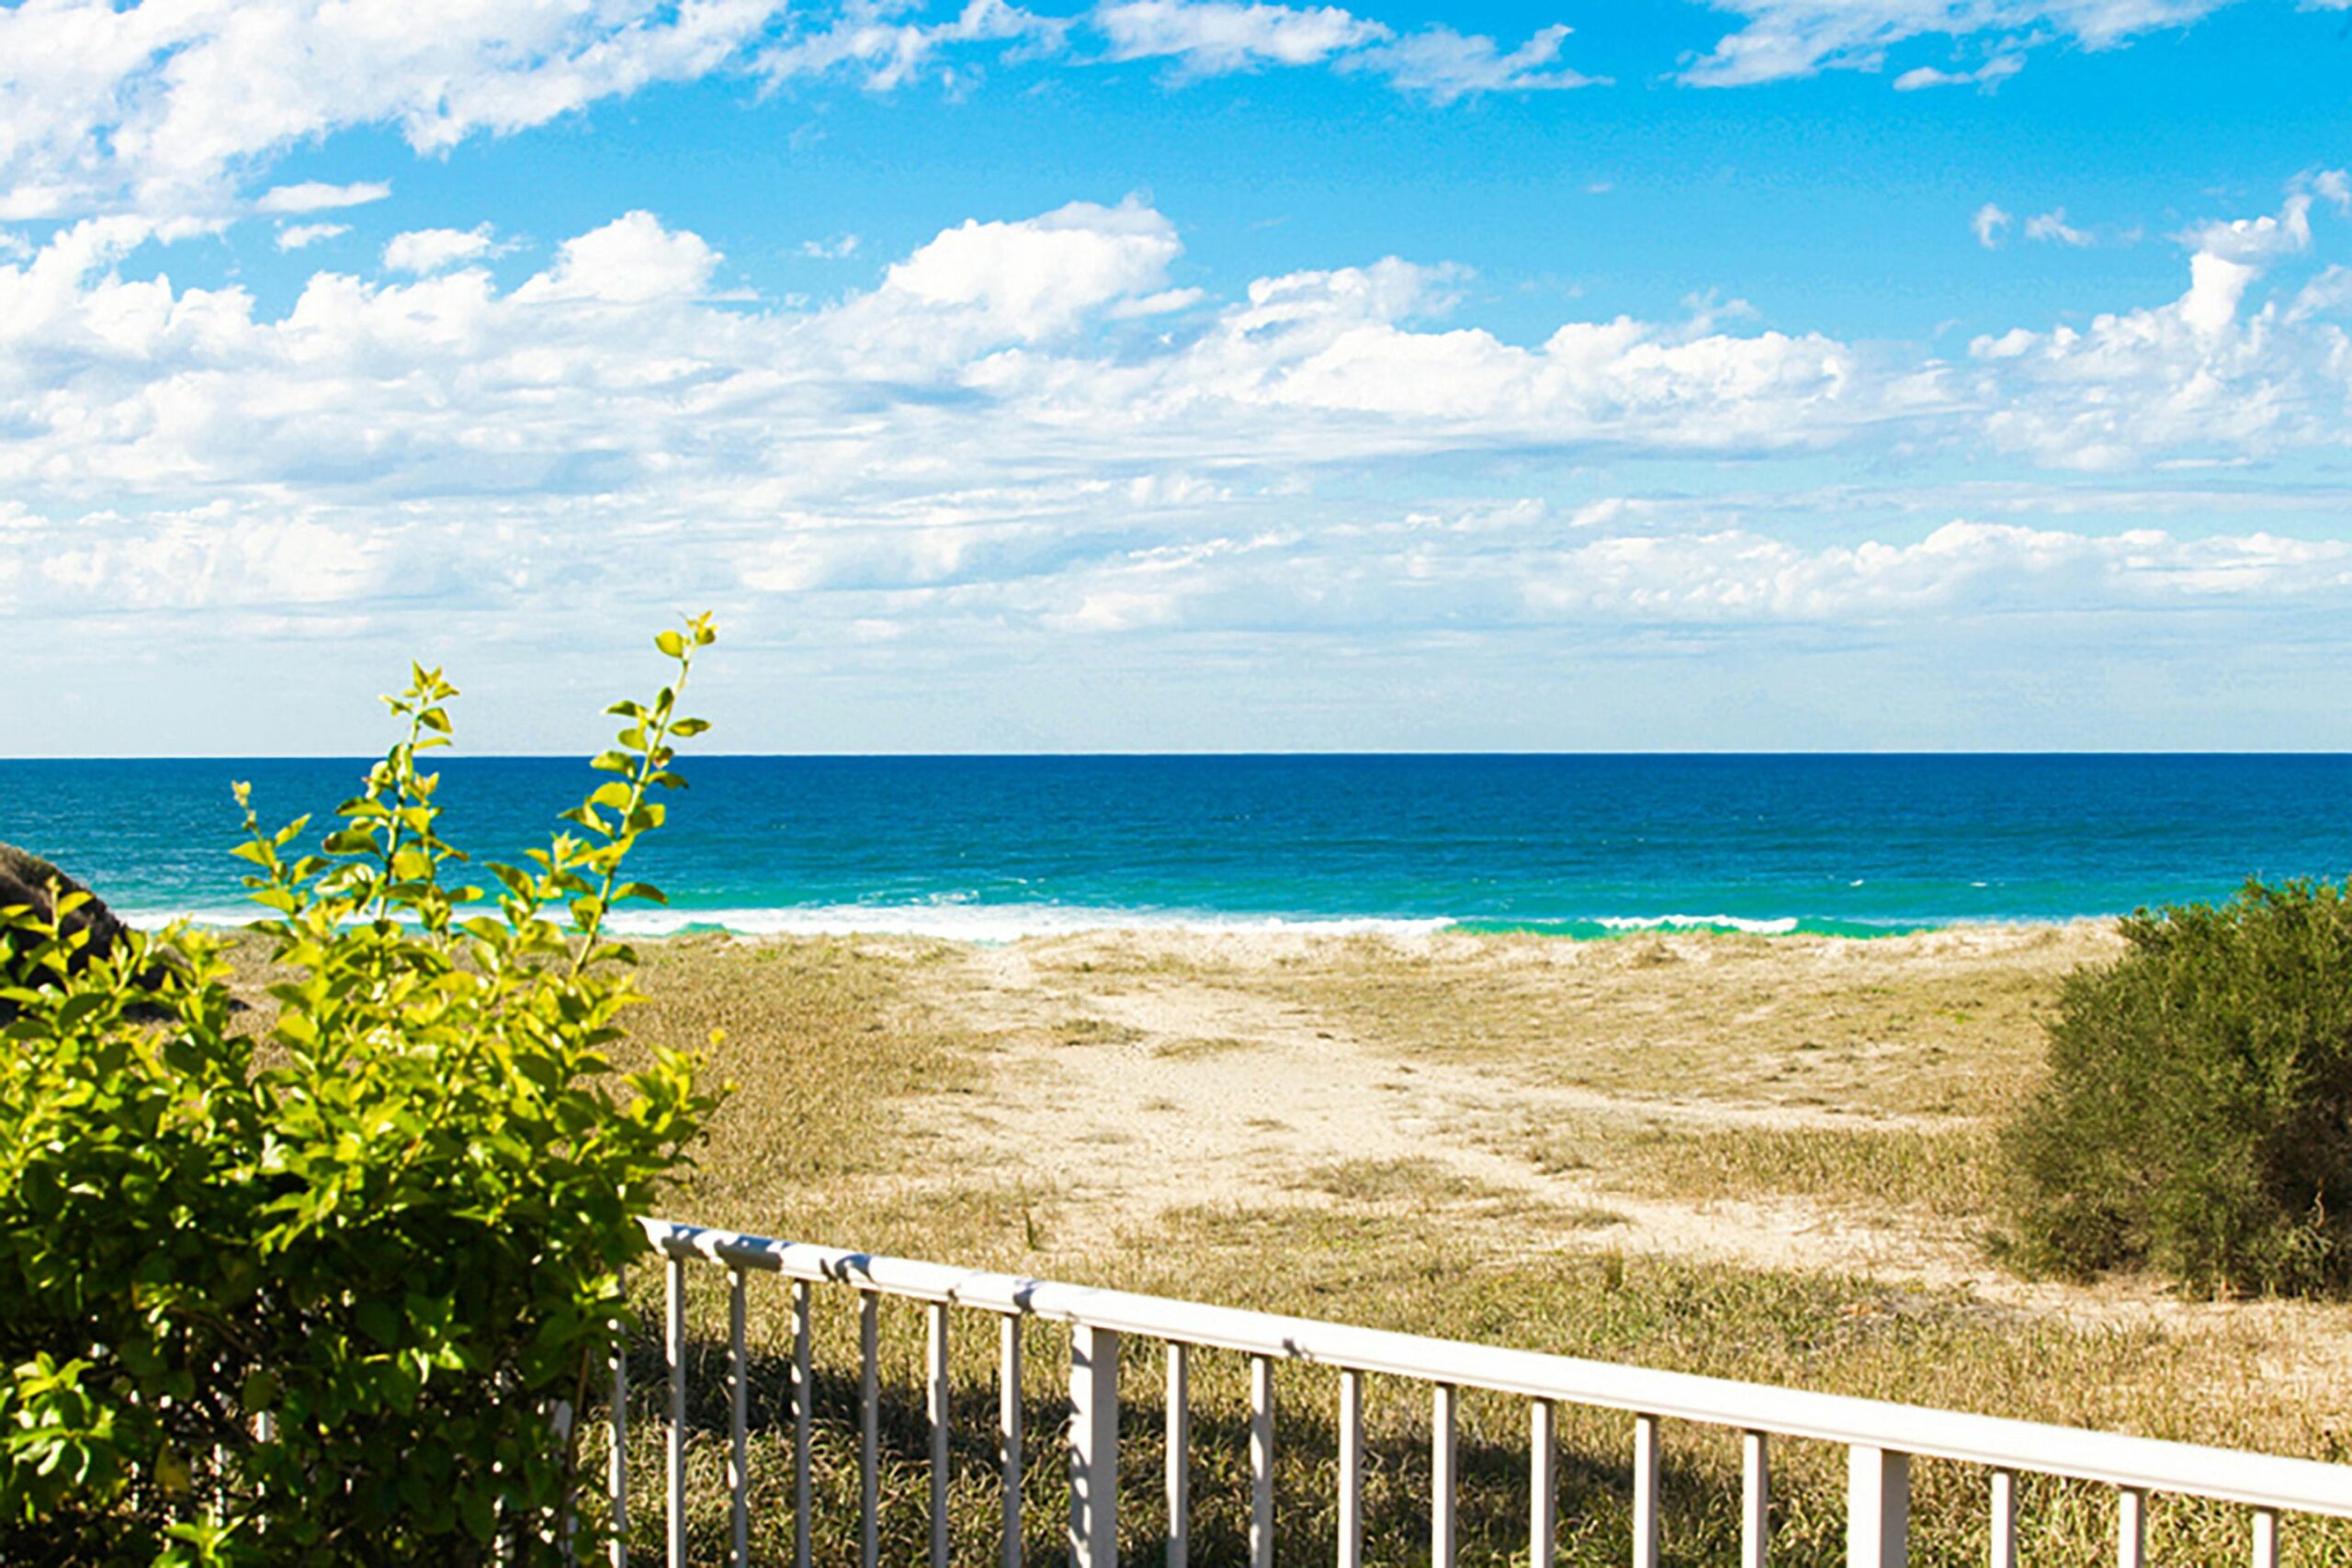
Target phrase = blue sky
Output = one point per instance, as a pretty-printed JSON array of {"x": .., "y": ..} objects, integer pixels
[{"x": 1181, "y": 374}]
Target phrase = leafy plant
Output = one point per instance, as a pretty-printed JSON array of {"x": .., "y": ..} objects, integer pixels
[
  {"x": 2198, "y": 1116},
  {"x": 332, "y": 1289}
]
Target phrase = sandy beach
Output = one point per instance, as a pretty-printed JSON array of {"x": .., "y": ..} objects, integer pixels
[
  {"x": 1760, "y": 1105},
  {"x": 1770, "y": 1159}
]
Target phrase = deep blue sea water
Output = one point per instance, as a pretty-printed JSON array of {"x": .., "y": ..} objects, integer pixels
[{"x": 1581, "y": 845}]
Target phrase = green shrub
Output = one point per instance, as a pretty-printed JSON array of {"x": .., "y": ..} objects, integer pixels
[
  {"x": 335, "y": 1292},
  {"x": 2198, "y": 1115}
]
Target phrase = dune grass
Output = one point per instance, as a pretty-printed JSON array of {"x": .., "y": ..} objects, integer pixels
[
  {"x": 1796, "y": 1021},
  {"x": 837, "y": 1045},
  {"x": 1846, "y": 1335},
  {"x": 1946, "y": 1174}
]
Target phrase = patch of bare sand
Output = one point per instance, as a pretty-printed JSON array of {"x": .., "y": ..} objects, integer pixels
[
  {"x": 1149, "y": 1090},
  {"x": 1139, "y": 1073}
]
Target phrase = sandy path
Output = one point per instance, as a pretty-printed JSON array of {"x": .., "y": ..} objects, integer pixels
[
  {"x": 1170, "y": 1092},
  {"x": 1117, "y": 1096}
]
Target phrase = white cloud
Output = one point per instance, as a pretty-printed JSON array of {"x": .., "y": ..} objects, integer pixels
[
  {"x": 986, "y": 413},
  {"x": 841, "y": 247},
  {"x": 1444, "y": 65},
  {"x": 2052, "y": 225},
  {"x": 317, "y": 196},
  {"x": 889, "y": 54},
  {"x": 989, "y": 438},
  {"x": 633, "y": 260},
  {"x": 981, "y": 285},
  {"x": 1211, "y": 37},
  {"x": 2273, "y": 235},
  {"x": 160, "y": 106},
  {"x": 1780, "y": 39},
  {"x": 1962, "y": 568},
  {"x": 2200, "y": 377},
  {"x": 1986, "y": 77},
  {"x": 167, "y": 110},
  {"x": 1988, "y": 224},
  {"x": 434, "y": 250},
  {"x": 301, "y": 236}
]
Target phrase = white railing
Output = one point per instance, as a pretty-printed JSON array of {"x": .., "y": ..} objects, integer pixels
[{"x": 1880, "y": 1437}]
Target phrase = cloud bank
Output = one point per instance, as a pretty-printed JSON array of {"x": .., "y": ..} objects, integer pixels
[{"x": 1029, "y": 420}]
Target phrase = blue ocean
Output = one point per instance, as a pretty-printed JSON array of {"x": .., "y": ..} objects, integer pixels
[{"x": 992, "y": 848}]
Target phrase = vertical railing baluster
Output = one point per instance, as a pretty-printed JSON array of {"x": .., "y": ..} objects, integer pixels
[
  {"x": 2266, "y": 1538},
  {"x": 739, "y": 1445},
  {"x": 1645, "y": 1478},
  {"x": 673, "y": 1347},
  {"x": 1878, "y": 1507},
  {"x": 1180, "y": 1455},
  {"x": 1442, "y": 1476},
  {"x": 2005, "y": 1519},
  {"x": 1542, "y": 1484},
  {"x": 2131, "y": 1528},
  {"x": 1351, "y": 1469},
  {"x": 1093, "y": 1448},
  {"x": 1261, "y": 1461},
  {"x": 869, "y": 1428},
  {"x": 935, "y": 1395},
  {"x": 617, "y": 1455},
  {"x": 804, "y": 1414},
  {"x": 1008, "y": 1431},
  {"x": 1755, "y": 1500}
]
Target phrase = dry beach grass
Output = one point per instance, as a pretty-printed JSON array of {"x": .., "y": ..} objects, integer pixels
[{"x": 1766, "y": 1158}]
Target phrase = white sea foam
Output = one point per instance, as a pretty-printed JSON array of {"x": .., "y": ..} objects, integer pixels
[
  {"x": 957, "y": 921},
  {"x": 1781, "y": 926},
  {"x": 225, "y": 917},
  {"x": 990, "y": 922}
]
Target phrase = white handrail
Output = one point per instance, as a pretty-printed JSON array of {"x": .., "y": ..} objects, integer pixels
[{"x": 2141, "y": 1464}]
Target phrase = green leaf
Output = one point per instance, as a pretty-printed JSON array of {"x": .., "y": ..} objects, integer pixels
[{"x": 389, "y": 1214}]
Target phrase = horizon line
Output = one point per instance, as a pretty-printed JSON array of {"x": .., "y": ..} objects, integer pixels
[{"x": 1202, "y": 755}]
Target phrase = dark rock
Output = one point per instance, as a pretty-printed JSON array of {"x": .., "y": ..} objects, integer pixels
[{"x": 33, "y": 882}]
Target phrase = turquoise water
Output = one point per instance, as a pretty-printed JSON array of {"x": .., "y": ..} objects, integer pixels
[{"x": 1581, "y": 845}]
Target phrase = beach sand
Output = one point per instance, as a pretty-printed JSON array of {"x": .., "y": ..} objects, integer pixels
[
  {"x": 1788, "y": 1102},
  {"x": 1772, "y": 1158}
]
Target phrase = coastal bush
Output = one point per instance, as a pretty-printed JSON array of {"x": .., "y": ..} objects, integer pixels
[
  {"x": 2196, "y": 1118},
  {"x": 330, "y": 1286}
]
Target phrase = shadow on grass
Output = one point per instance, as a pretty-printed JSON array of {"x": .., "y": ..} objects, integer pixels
[{"x": 1492, "y": 1491}]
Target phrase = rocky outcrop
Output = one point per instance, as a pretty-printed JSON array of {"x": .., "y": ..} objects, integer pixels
[{"x": 33, "y": 882}]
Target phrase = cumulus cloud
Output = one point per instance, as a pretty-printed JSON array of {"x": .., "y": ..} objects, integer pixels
[
  {"x": 982, "y": 286},
  {"x": 633, "y": 260},
  {"x": 2201, "y": 375},
  {"x": 159, "y": 108},
  {"x": 434, "y": 250},
  {"x": 299, "y": 236},
  {"x": 1036, "y": 422},
  {"x": 946, "y": 425},
  {"x": 1988, "y": 225}
]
